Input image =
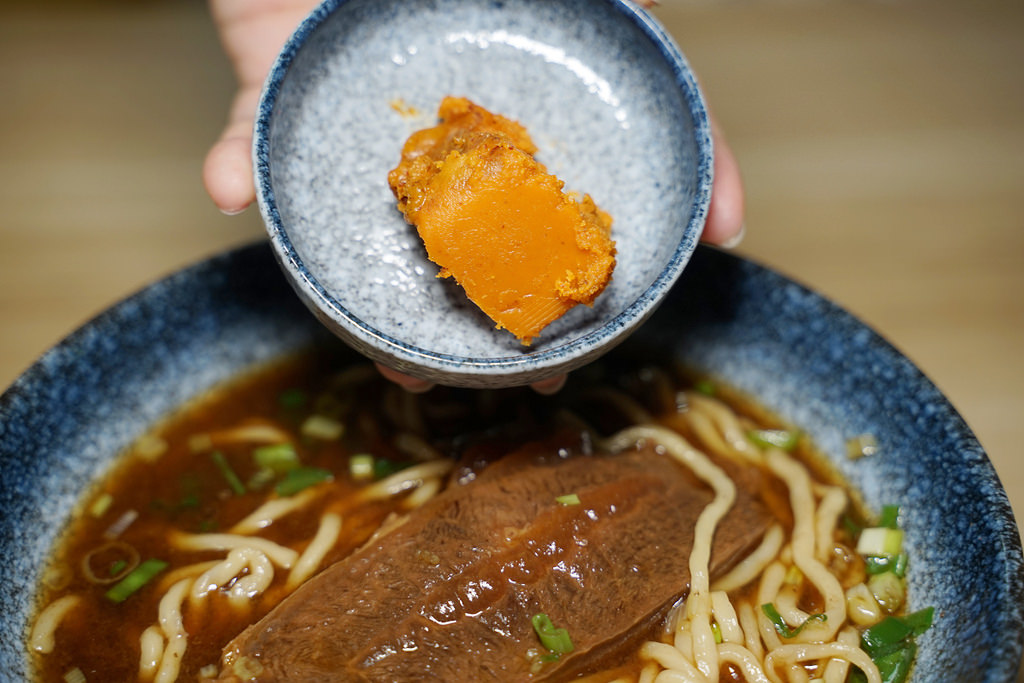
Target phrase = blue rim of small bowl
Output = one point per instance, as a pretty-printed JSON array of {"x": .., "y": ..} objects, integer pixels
[{"x": 557, "y": 358}]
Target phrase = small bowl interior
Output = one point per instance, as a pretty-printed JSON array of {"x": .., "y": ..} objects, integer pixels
[{"x": 600, "y": 88}]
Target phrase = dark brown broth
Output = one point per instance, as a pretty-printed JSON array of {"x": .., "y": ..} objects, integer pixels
[{"x": 184, "y": 491}]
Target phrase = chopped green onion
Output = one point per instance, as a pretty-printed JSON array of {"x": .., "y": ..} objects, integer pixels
[
  {"x": 301, "y": 478},
  {"x": 856, "y": 676},
  {"x": 716, "y": 631},
  {"x": 292, "y": 399},
  {"x": 555, "y": 639},
  {"x": 785, "y": 439},
  {"x": 890, "y": 643},
  {"x": 793, "y": 576},
  {"x": 382, "y": 467},
  {"x": 894, "y": 667},
  {"x": 117, "y": 567},
  {"x": 229, "y": 475},
  {"x": 879, "y": 564},
  {"x": 260, "y": 479},
  {"x": 890, "y": 518},
  {"x": 568, "y": 499},
  {"x": 149, "y": 447},
  {"x": 861, "y": 446},
  {"x": 889, "y": 590},
  {"x": 784, "y": 629},
  {"x": 100, "y": 506},
  {"x": 705, "y": 386},
  {"x": 884, "y": 637},
  {"x": 278, "y": 457},
  {"x": 136, "y": 579},
  {"x": 880, "y": 540},
  {"x": 74, "y": 675},
  {"x": 361, "y": 467},
  {"x": 850, "y": 525},
  {"x": 322, "y": 427},
  {"x": 189, "y": 499},
  {"x": 919, "y": 621}
]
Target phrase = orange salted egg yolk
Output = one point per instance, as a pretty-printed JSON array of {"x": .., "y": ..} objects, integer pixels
[{"x": 492, "y": 217}]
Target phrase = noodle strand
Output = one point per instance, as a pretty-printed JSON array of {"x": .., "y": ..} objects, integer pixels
[{"x": 326, "y": 536}]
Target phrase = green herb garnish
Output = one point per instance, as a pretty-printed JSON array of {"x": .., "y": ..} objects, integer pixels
[{"x": 136, "y": 579}]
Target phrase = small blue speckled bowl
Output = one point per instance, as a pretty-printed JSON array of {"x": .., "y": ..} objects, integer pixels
[
  {"x": 603, "y": 90},
  {"x": 69, "y": 415}
]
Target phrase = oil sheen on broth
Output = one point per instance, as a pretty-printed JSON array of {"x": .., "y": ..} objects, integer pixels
[{"x": 635, "y": 523}]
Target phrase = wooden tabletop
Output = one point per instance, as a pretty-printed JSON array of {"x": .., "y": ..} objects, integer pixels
[{"x": 882, "y": 145}]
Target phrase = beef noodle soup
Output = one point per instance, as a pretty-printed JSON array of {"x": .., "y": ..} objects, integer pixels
[{"x": 313, "y": 522}]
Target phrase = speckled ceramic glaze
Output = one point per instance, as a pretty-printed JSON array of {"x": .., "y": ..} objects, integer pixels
[
  {"x": 604, "y": 92},
  {"x": 65, "y": 419}
]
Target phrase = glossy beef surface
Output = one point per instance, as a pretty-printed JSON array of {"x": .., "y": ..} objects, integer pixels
[{"x": 450, "y": 593}]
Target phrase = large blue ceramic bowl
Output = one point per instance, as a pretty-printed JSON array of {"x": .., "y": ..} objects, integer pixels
[
  {"x": 70, "y": 414},
  {"x": 603, "y": 90}
]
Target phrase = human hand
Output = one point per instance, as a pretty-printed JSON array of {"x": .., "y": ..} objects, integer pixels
[{"x": 253, "y": 32}]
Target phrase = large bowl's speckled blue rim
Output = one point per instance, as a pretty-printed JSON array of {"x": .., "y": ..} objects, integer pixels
[
  {"x": 503, "y": 370},
  {"x": 71, "y": 413}
]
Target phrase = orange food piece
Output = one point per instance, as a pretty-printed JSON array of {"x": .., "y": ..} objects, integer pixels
[{"x": 492, "y": 217}]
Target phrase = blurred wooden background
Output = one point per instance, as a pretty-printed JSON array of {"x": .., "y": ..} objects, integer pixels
[{"x": 882, "y": 143}]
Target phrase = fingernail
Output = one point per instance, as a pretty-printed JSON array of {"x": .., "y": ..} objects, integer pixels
[
  {"x": 546, "y": 387},
  {"x": 419, "y": 386},
  {"x": 735, "y": 240},
  {"x": 231, "y": 212}
]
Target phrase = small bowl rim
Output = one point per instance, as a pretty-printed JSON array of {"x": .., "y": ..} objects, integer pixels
[{"x": 469, "y": 371}]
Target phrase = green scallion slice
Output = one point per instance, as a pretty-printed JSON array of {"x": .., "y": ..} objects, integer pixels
[
  {"x": 880, "y": 541},
  {"x": 301, "y": 478},
  {"x": 879, "y": 564},
  {"x": 919, "y": 621},
  {"x": 292, "y": 399},
  {"x": 556, "y": 640},
  {"x": 136, "y": 579},
  {"x": 568, "y": 499},
  {"x": 361, "y": 467},
  {"x": 705, "y": 386},
  {"x": 784, "y": 439},
  {"x": 322, "y": 427},
  {"x": 784, "y": 629},
  {"x": 890, "y": 643},
  {"x": 894, "y": 667},
  {"x": 890, "y": 518},
  {"x": 261, "y": 478},
  {"x": 382, "y": 467},
  {"x": 236, "y": 485},
  {"x": 278, "y": 457},
  {"x": 100, "y": 506},
  {"x": 74, "y": 675}
]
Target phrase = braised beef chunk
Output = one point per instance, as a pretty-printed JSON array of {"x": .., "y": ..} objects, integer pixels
[{"x": 449, "y": 595}]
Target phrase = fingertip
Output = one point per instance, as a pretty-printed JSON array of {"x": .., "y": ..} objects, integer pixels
[
  {"x": 725, "y": 221},
  {"x": 408, "y": 382},
  {"x": 549, "y": 386},
  {"x": 227, "y": 174}
]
